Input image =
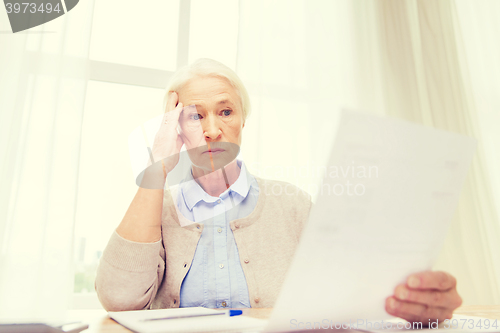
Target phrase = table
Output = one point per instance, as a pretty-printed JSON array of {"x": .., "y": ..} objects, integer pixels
[{"x": 100, "y": 322}]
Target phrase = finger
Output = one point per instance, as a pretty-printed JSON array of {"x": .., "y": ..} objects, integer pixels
[
  {"x": 446, "y": 299},
  {"x": 173, "y": 98},
  {"x": 416, "y": 312},
  {"x": 171, "y": 119},
  {"x": 431, "y": 280}
]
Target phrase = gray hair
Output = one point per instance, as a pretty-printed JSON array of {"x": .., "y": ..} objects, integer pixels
[{"x": 208, "y": 67}]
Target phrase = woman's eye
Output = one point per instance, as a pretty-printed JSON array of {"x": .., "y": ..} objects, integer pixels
[
  {"x": 196, "y": 116},
  {"x": 226, "y": 112}
]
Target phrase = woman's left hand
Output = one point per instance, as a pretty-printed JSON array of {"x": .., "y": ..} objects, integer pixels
[{"x": 425, "y": 296}]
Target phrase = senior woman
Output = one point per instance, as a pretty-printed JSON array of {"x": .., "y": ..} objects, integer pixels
[{"x": 221, "y": 238}]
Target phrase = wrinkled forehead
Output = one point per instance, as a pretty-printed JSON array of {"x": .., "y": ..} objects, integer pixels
[{"x": 209, "y": 90}]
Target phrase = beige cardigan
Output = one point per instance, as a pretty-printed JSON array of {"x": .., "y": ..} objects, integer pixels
[{"x": 134, "y": 276}]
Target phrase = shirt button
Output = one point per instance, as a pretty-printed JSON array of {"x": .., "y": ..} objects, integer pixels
[
  {"x": 219, "y": 230},
  {"x": 224, "y": 304},
  {"x": 218, "y": 201},
  {"x": 221, "y": 266},
  {"x": 247, "y": 261},
  {"x": 257, "y": 300},
  {"x": 185, "y": 264}
]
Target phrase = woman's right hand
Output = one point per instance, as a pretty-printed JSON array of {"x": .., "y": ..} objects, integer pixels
[{"x": 168, "y": 142}]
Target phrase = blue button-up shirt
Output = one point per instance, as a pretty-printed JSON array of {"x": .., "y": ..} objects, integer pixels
[{"x": 216, "y": 278}]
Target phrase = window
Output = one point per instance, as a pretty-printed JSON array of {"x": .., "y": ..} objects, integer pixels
[
  {"x": 106, "y": 184},
  {"x": 118, "y": 33}
]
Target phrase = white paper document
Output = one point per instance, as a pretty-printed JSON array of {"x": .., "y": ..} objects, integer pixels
[
  {"x": 389, "y": 192},
  {"x": 135, "y": 321}
]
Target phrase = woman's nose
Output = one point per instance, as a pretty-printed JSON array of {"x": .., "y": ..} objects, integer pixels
[{"x": 211, "y": 128}]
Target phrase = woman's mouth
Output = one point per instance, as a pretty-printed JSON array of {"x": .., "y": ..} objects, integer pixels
[{"x": 214, "y": 151}]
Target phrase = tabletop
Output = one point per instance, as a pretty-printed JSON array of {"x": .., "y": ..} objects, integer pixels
[{"x": 99, "y": 322}]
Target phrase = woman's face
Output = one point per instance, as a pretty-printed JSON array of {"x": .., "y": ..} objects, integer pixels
[{"x": 211, "y": 122}]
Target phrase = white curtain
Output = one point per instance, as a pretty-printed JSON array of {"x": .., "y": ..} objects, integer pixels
[
  {"x": 43, "y": 76},
  {"x": 412, "y": 59},
  {"x": 430, "y": 83}
]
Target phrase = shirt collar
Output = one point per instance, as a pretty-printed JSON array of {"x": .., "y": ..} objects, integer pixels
[{"x": 193, "y": 193}]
